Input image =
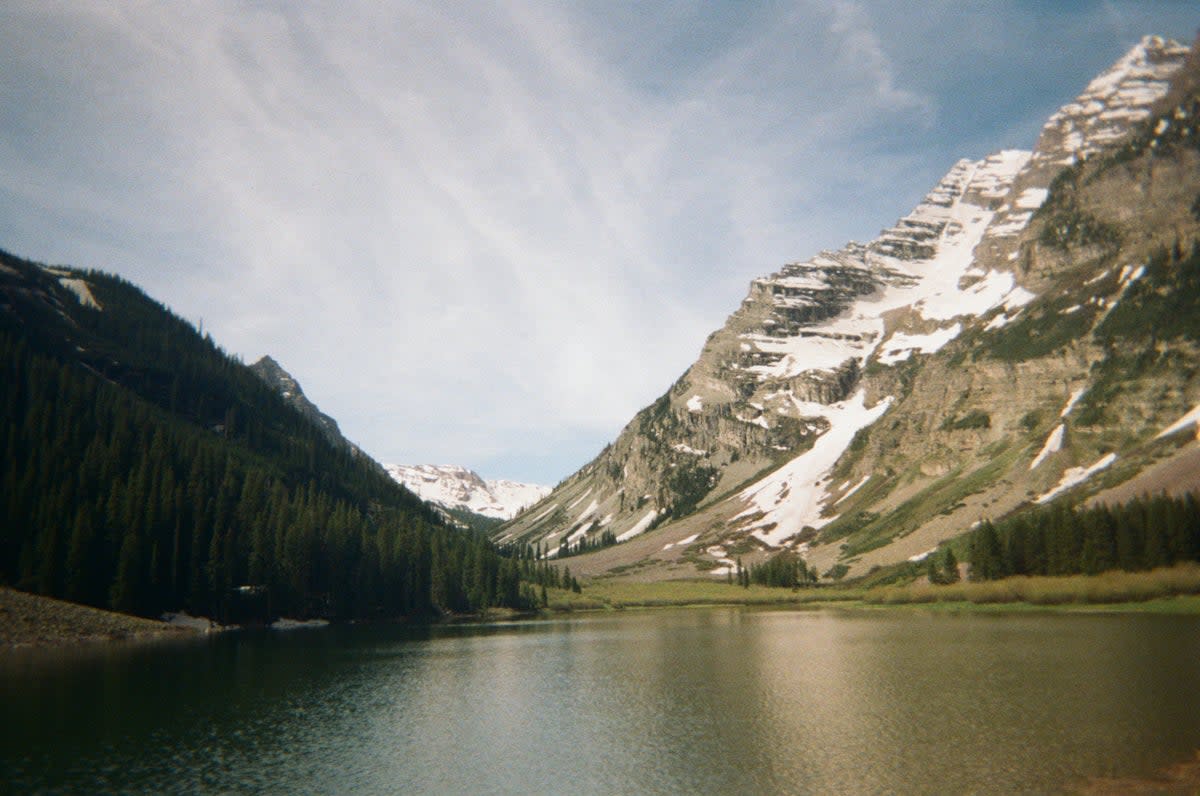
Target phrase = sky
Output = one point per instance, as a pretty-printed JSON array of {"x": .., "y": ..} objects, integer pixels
[{"x": 487, "y": 233}]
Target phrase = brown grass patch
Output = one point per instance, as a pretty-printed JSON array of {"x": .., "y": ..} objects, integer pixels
[{"x": 1106, "y": 588}]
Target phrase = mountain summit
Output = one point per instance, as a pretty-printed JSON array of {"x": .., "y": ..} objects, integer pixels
[
  {"x": 868, "y": 403},
  {"x": 454, "y": 487},
  {"x": 289, "y": 389}
]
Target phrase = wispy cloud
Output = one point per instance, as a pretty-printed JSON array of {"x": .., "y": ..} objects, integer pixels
[
  {"x": 862, "y": 50},
  {"x": 484, "y": 233}
]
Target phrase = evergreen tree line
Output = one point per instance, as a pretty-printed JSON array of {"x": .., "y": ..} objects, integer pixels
[
  {"x": 784, "y": 570},
  {"x": 942, "y": 568},
  {"x": 1058, "y": 539},
  {"x": 586, "y": 544},
  {"x": 157, "y": 473},
  {"x": 536, "y": 570}
]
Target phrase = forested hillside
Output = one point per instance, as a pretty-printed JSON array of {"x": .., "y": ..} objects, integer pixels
[{"x": 144, "y": 469}]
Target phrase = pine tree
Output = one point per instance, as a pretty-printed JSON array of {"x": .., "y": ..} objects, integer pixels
[
  {"x": 950, "y": 572},
  {"x": 986, "y": 559}
]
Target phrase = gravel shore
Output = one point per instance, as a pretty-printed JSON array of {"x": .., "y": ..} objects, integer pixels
[{"x": 32, "y": 620}]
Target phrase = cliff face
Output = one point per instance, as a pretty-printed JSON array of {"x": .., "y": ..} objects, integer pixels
[{"x": 867, "y": 403}]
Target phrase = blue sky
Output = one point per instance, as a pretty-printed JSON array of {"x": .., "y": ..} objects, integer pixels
[{"x": 488, "y": 233}]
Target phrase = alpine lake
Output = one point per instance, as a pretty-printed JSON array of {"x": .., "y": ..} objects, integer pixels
[{"x": 715, "y": 700}]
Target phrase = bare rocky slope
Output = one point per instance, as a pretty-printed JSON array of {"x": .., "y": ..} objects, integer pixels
[{"x": 1007, "y": 343}]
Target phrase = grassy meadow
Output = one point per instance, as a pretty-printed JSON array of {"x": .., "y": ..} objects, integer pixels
[{"x": 1172, "y": 590}]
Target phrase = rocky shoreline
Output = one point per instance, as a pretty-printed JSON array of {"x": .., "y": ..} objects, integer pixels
[{"x": 30, "y": 620}]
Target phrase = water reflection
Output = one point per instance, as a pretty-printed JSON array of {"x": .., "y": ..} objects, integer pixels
[{"x": 720, "y": 701}]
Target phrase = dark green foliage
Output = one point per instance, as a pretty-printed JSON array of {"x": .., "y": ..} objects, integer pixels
[
  {"x": 586, "y": 544},
  {"x": 1161, "y": 307},
  {"x": 1038, "y": 332},
  {"x": 1061, "y": 540},
  {"x": 476, "y": 522},
  {"x": 533, "y": 570},
  {"x": 657, "y": 418},
  {"x": 688, "y": 484},
  {"x": 942, "y": 568},
  {"x": 1164, "y": 304},
  {"x": 975, "y": 419},
  {"x": 859, "y": 442},
  {"x": 837, "y": 571},
  {"x": 1064, "y": 225},
  {"x": 986, "y": 555},
  {"x": 143, "y": 469},
  {"x": 786, "y": 570},
  {"x": 742, "y": 574},
  {"x": 1069, "y": 227}
]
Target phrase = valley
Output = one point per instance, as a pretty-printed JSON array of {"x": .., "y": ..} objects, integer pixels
[{"x": 922, "y": 514}]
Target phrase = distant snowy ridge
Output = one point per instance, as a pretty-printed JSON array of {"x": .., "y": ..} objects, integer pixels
[{"x": 457, "y": 487}]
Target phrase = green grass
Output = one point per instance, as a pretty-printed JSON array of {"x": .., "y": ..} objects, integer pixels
[
  {"x": 1104, "y": 589},
  {"x": 944, "y": 494},
  {"x": 1174, "y": 590},
  {"x": 627, "y": 594},
  {"x": 975, "y": 419}
]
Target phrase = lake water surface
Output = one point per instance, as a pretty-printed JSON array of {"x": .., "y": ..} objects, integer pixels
[{"x": 685, "y": 701}]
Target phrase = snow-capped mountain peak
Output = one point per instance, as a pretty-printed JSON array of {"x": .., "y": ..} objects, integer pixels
[
  {"x": 457, "y": 487},
  {"x": 884, "y": 368},
  {"x": 1117, "y": 98}
]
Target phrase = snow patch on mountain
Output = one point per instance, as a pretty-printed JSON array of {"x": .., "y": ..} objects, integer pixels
[
  {"x": 901, "y": 346},
  {"x": 588, "y": 512},
  {"x": 457, "y": 487},
  {"x": 792, "y": 497},
  {"x": 854, "y": 488},
  {"x": 1075, "y": 476},
  {"x": 1074, "y": 399},
  {"x": 924, "y": 262},
  {"x": 1112, "y": 102},
  {"x": 1192, "y": 418},
  {"x": 1053, "y": 444},
  {"x": 682, "y": 542},
  {"x": 639, "y": 527},
  {"x": 82, "y": 291},
  {"x": 1032, "y": 198}
]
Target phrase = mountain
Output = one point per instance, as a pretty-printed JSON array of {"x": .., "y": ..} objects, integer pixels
[
  {"x": 461, "y": 497},
  {"x": 454, "y": 487},
  {"x": 1024, "y": 334},
  {"x": 286, "y": 385},
  {"x": 144, "y": 469}
]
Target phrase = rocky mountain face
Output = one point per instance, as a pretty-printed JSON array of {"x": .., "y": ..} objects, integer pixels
[
  {"x": 286, "y": 385},
  {"x": 866, "y": 404},
  {"x": 454, "y": 487}
]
